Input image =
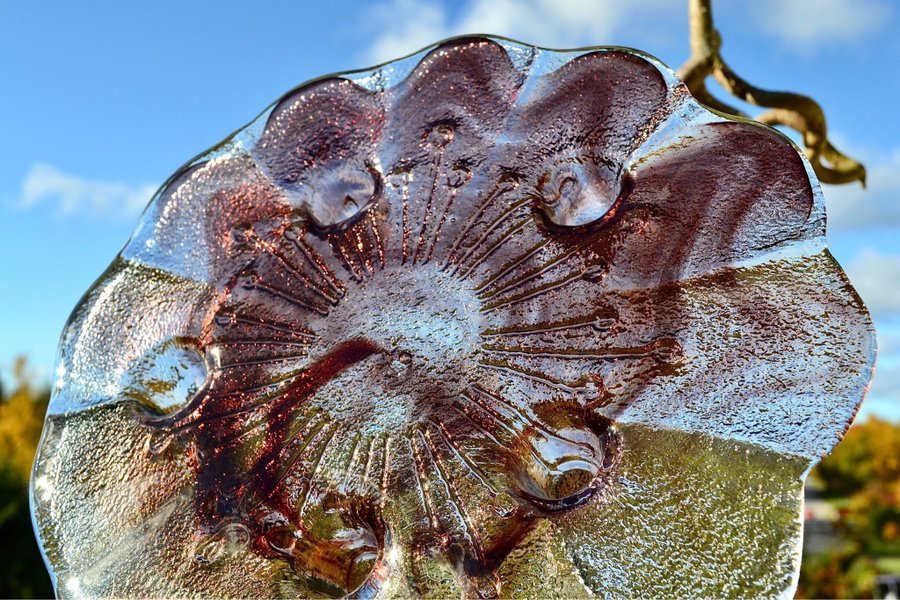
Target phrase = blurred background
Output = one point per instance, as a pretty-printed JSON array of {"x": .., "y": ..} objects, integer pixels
[{"x": 102, "y": 101}]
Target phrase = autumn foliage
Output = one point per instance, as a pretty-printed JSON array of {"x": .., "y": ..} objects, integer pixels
[
  {"x": 862, "y": 478},
  {"x": 22, "y": 408}
]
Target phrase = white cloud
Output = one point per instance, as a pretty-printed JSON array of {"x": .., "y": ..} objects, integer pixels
[
  {"x": 885, "y": 391},
  {"x": 889, "y": 343},
  {"x": 886, "y": 383},
  {"x": 882, "y": 400},
  {"x": 876, "y": 276},
  {"x": 850, "y": 207},
  {"x": 406, "y": 26},
  {"x": 45, "y": 185},
  {"x": 811, "y": 24}
]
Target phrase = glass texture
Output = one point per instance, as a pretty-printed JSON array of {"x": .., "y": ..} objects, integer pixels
[{"x": 491, "y": 320}]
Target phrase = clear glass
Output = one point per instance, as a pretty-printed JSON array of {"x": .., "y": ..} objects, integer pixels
[{"x": 489, "y": 320}]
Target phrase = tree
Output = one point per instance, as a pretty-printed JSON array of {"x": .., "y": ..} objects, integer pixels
[
  {"x": 22, "y": 572},
  {"x": 870, "y": 452}
]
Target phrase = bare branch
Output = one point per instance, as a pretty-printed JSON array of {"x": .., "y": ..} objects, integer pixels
[{"x": 800, "y": 113}]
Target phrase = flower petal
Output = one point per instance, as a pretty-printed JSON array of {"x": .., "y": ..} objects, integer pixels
[
  {"x": 723, "y": 194},
  {"x": 319, "y": 147},
  {"x": 691, "y": 516},
  {"x": 197, "y": 226}
]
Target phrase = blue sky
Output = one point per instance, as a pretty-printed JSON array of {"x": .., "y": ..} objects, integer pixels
[{"x": 104, "y": 100}]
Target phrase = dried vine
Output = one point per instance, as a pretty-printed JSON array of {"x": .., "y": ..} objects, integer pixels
[{"x": 796, "y": 111}]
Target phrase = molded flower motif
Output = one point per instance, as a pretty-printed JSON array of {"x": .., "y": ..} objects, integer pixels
[{"x": 489, "y": 321}]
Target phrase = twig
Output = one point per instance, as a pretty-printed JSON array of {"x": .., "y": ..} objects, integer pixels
[{"x": 801, "y": 113}]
